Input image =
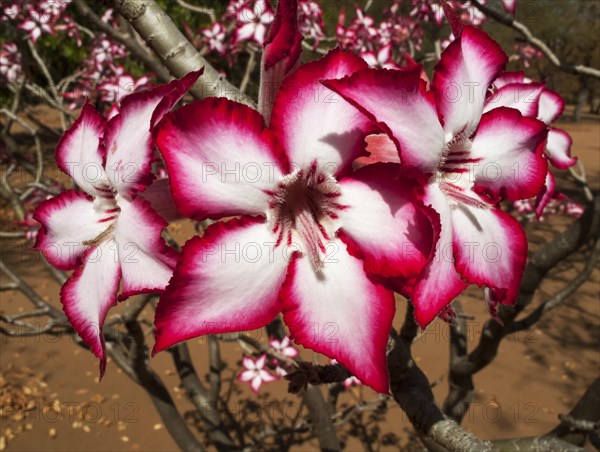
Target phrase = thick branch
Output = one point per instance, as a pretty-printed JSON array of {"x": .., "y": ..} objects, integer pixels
[
  {"x": 511, "y": 22},
  {"x": 136, "y": 50},
  {"x": 157, "y": 391},
  {"x": 174, "y": 50},
  {"x": 586, "y": 410}
]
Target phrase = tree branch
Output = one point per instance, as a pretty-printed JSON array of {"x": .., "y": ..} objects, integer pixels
[
  {"x": 175, "y": 51},
  {"x": 511, "y": 22}
]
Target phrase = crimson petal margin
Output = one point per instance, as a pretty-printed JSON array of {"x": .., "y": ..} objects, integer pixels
[
  {"x": 147, "y": 262},
  {"x": 128, "y": 134},
  {"x": 221, "y": 159},
  {"x": 490, "y": 248},
  {"x": 393, "y": 236},
  {"x": 341, "y": 313},
  {"x": 67, "y": 220},
  {"x": 439, "y": 283},
  {"x": 227, "y": 280},
  {"x": 558, "y": 149},
  {"x": 510, "y": 148},
  {"x": 313, "y": 123},
  {"x": 462, "y": 77},
  {"x": 89, "y": 293},
  {"x": 79, "y": 152},
  {"x": 396, "y": 100}
]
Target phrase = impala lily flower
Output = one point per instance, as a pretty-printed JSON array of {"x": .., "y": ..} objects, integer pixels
[
  {"x": 350, "y": 381},
  {"x": 253, "y": 21},
  {"x": 466, "y": 162},
  {"x": 382, "y": 59},
  {"x": 311, "y": 233},
  {"x": 36, "y": 24},
  {"x": 283, "y": 346},
  {"x": 513, "y": 90},
  {"x": 106, "y": 232},
  {"x": 255, "y": 372}
]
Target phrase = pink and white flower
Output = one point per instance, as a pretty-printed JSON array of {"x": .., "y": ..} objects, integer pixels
[
  {"x": 215, "y": 38},
  {"x": 466, "y": 161},
  {"x": 534, "y": 100},
  {"x": 253, "y": 21},
  {"x": 10, "y": 62},
  {"x": 255, "y": 372},
  {"x": 383, "y": 58},
  {"x": 36, "y": 24},
  {"x": 284, "y": 347},
  {"x": 105, "y": 232},
  {"x": 310, "y": 235}
]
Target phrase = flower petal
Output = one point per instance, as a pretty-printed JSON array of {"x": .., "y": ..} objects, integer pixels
[
  {"x": 393, "y": 236},
  {"x": 247, "y": 375},
  {"x": 545, "y": 194},
  {"x": 313, "y": 123},
  {"x": 525, "y": 97},
  {"x": 462, "y": 77},
  {"x": 551, "y": 106},
  {"x": 228, "y": 280},
  {"x": 283, "y": 47},
  {"x": 220, "y": 158},
  {"x": 90, "y": 293},
  {"x": 79, "y": 153},
  {"x": 490, "y": 248},
  {"x": 509, "y": 77},
  {"x": 341, "y": 313},
  {"x": 439, "y": 283},
  {"x": 558, "y": 149},
  {"x": 397, "y": 102},
  {"x": 381, "y": 148},
  {"x": 284, "y": 41},
  {"x": 128, "y": 139},
  {"x": 147, "y": 262},
  {"x": 509, "y": 148},
  {"x": 68, "y": 220}
]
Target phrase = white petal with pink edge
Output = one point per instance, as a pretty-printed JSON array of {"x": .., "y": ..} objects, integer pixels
[
  {"x": 551, "y": 106},
  {"x": 228, "y": 280},
  {"x": 509, "y": 147},
  {"x": 545, "y": 194},
  {"x": 393, "y": 236},
  {"x": 439, "y": 283},
  {"x": 397, "y": 102},
  {"x": 220, "y": 158},
  {"x": 490, "y": 248},
  {"x": 340, "y": 313},
  {"x": 90, "y": 293},
  {"x": 128, "y": 134},
  {"x": 313, "y": 123},
  {"x": 147, "y": 262},
  {"x": 462, "y": 77},
  {"x": 525, "y": 97},
  {"x": 558, "y": 149},
  {"x": 79, "y": 152},
  {"x": 68, "y": 220}
]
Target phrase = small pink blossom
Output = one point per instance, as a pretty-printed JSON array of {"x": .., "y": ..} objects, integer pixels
[
  {"x": 10, "y": 62},
  {"x": 283, "y": 347},
  {"x": 253, "y": 22},
  {"x": 215, "y": 38},
  {"x": 36, "y": 25},
  {"x": 255, "y": 372}
]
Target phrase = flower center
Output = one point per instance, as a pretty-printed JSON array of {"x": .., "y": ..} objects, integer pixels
[
  {"x": 304, "y": 208},
  {"x": 456, "y": 172},
  {"x": 106, "y": 204}
]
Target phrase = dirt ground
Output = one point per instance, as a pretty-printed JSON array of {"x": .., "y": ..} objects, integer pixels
[{"x": 538, "y": 373}]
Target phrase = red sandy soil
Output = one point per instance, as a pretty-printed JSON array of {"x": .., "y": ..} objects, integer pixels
[{"x": 538, "y": 373}]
